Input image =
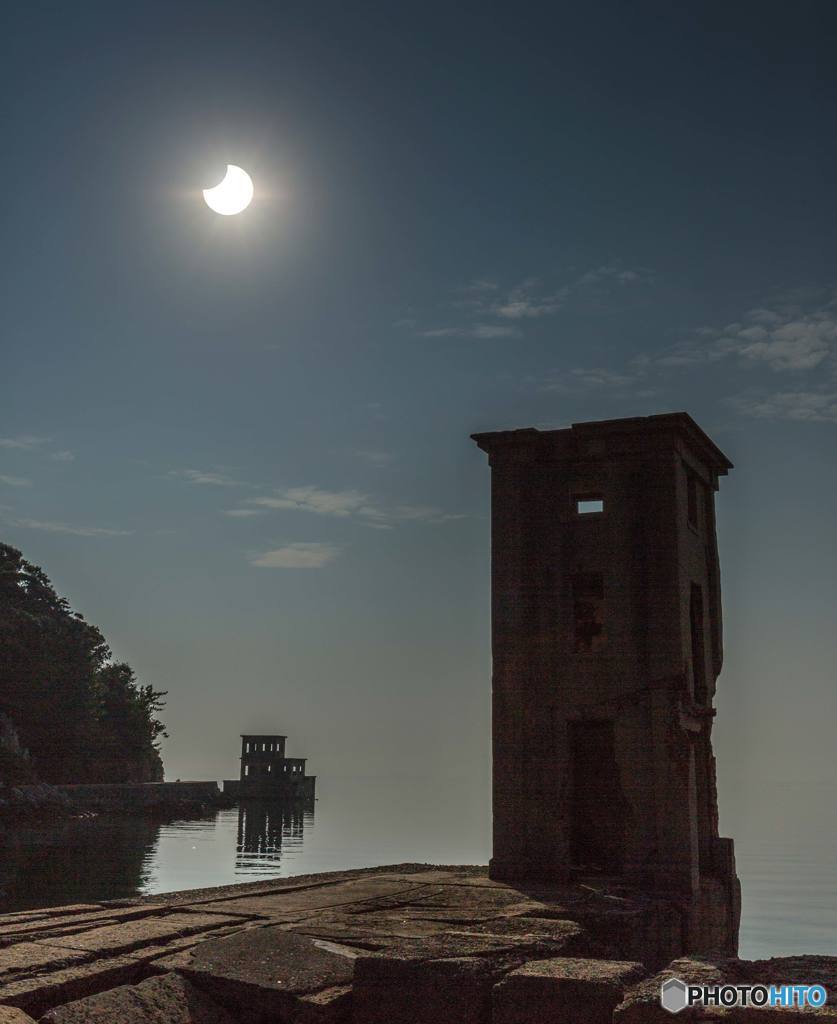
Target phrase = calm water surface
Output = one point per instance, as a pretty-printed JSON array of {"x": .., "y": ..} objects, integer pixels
[{"x": 790, "y": 886}]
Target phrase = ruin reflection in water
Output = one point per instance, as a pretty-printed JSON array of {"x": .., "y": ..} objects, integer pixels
[{"x": 265, "y": 830}]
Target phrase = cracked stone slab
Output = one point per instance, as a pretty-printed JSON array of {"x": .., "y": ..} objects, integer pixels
[
  {"x": 295, "y": 902},
  {"x": 11, "y": 1015},
  {"x": 447, "y": 905},
  {"x": 273, "y": 971},
  {"x": 177, "y": 954},
  {"x": 556, "y": 929},
  {"x": 484, "y": 944},
  {"x": 122, "y": 938},
  {"x": 168, "y": 999},
  {"x": 563, "y": 989},
  {"x": 42, "y": 956},
  {"x": 40, "y": 993},
  {"x": 48, "y": 975},
  {"x": 379, "y": 929},
  {"x": 456, "y": 876},
  {"x": 364, "y": 933},
  {"x": 68, "y": 924},
  {"x": 453, "y": 990},
  {"x": 446, "y": 978},
  {"x": 44, "y": 913},
  {"x": 26, "y": 958}
]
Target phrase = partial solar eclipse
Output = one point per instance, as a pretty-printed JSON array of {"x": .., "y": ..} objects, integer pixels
[{"x": 233, "y": 194}]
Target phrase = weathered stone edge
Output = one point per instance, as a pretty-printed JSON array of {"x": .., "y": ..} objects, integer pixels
[{"x": 284, "y": 883}]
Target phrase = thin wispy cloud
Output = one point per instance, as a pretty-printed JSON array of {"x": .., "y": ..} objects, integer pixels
[
  {"x": 479, "y": 286},
  {"x": 532, "y": 299},
  {"x": 296, "y": 556},
  {"x": 23, "y": 441},
  {"x": 592, "y": 378},
  {"x": 314, "y": 499},
  {"x": 205, "y": 479},
  {"x": 423, "y": 513},
  {"x": 386, "y": 519},
  {"x": 36, "y": 443},
  {"x": 529, "y": 300},
  {"x": 375, "y": 458},
  {"x": 802, "y": 406},
  {"x": 493, "y": 331},
  {"x": 781, "y": 340},
  {"x": 520, "y": 307},
  {"x": 617, "y": 274},
  {"x": 348, "y": 504},
  {"x": 473, "y": 295},
  {"x": 15, "y": 481},
  {"x": 76, "y": 531},
  {"x": 474, "y": 331},
  {"x": 495, "y": 312},
  {"x": 243, "y": 513},
  {"x": 446, "y": 332}
]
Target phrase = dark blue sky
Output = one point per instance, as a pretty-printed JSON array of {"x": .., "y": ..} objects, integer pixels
[{"x": 240, "y": 445}]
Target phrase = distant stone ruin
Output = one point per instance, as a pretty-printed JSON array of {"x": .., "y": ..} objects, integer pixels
[
  {"x": 266, "y": 774},
  {"x": 606, "y": 611}
]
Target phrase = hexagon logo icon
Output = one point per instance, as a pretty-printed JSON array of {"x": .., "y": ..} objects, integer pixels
[{"x": 673, "y": 995}]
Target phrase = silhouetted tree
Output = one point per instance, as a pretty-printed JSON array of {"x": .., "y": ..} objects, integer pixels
[
  {"x": 59, "y": 688},
  {"x": 129, "y": 728}
]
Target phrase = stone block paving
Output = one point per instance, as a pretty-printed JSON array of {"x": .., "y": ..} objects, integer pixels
[
  {"x": 408, "y": 944},
  {"x": 563, "y": 989}
]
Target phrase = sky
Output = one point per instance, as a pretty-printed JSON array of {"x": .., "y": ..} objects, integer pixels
[{"x": 240, "y": 445}]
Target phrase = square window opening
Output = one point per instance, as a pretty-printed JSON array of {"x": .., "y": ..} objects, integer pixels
[{"x": 589, "y": 505}]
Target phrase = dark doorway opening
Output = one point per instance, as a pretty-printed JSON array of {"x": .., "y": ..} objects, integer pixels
[
  {"x": 598, "y": 811},
  {"x": 588, "y": 612}
]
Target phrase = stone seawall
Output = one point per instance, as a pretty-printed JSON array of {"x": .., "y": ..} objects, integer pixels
[
  {"x": 178, "y": 799},
  {"x": 141, "y": 793},
  {"x": 406, "y": 944}
]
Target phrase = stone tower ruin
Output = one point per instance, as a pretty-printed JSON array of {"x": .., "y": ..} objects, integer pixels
[{"x": 606, "y": 641}]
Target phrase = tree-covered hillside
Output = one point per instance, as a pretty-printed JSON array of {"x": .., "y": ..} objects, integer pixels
[{"x": 81, "y": 716}]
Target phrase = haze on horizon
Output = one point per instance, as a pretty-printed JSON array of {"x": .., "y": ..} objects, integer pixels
[{"x": 240, "y": 445}]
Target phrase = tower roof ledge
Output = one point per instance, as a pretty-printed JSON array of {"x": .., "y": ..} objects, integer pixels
[{"x": 529, "y": 441}]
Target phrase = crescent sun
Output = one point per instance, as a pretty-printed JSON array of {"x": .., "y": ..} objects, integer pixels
[{"x": 233, "y": 194}]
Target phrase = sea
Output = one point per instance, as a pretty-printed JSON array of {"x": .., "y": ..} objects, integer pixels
[{"x": 788, "y": 878}]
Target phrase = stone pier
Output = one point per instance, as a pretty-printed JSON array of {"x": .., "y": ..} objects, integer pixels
[{"x": 406, "y": 944}]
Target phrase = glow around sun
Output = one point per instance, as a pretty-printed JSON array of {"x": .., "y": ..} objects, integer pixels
[{"x": 233, "y": 194}]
